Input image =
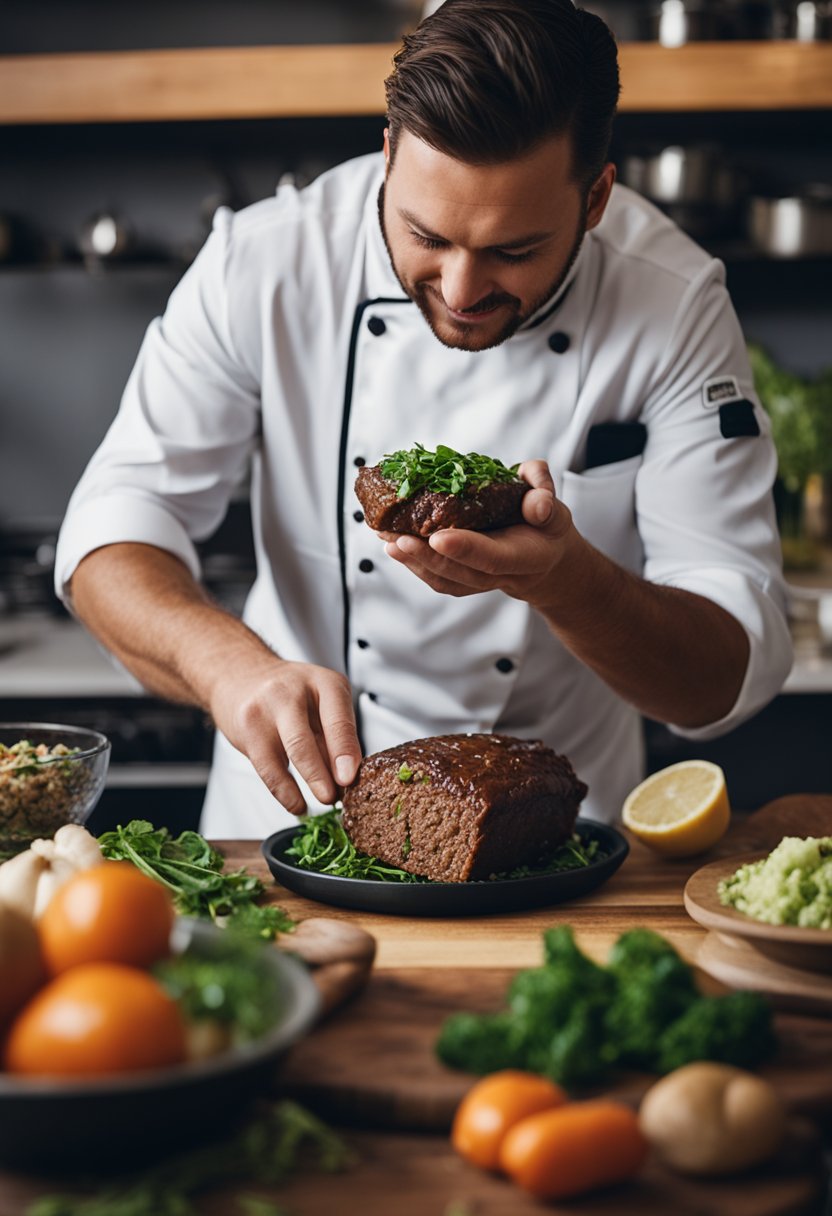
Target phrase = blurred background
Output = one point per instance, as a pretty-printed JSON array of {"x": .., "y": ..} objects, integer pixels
[{"x": 123, "y": 128}]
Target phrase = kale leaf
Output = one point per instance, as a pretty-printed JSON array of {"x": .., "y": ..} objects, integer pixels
[{"x": 194, "y": 872}]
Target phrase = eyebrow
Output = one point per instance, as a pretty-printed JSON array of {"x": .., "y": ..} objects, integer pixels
[{"x": 533, "y": 238}]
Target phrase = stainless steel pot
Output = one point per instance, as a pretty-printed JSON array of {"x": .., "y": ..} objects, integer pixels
[
  {"x": 675, "y": 22},
  {"x": 792, "y": 227},
  {"x": 805, "y": 20},
  {"x": 691, "y": 175}
]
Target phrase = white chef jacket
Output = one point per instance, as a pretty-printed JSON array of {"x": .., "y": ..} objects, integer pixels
[{"x": 289, "y": 343}]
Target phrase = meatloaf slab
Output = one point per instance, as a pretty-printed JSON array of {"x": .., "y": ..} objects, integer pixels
[
  {"x": 459, "y": 807},
  {"x": 493, "y": 506}
]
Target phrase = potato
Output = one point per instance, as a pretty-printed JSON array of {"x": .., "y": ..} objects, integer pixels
[{"x": 712, "y": 1119}]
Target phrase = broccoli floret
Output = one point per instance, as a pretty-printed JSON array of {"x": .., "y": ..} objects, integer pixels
[
  {"x": 733, "y": 1029},
  {"x": 639, "y": 948},
  {"x": 558, "y": 1012},
  {"x": 479, "y": 1043},
  {"x": 573, "y": 1053},
  {"x": 650, "y": 996}
]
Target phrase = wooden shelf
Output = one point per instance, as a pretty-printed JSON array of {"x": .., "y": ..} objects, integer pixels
[{"x": 316, "y": 81}]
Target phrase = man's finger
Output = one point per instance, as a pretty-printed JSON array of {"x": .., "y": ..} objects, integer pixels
[
  {"x": 272, "y": 768},
  {"x": 537, "y": 474},
  {"x": 308, "y": 754},
  {"x": 434, "y": 568},
  {"x": 340, "y": 735}
]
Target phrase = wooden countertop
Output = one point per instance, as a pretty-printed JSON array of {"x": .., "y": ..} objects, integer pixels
[
  {"x": 429, "y": 967},
  {"x": 645, "y": 891}
]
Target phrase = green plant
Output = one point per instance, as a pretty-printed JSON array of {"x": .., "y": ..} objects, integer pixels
[{"x": 801, "y": 418}]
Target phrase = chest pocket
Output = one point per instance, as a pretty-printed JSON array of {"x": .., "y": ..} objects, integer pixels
[{"x": 603, "y": 505}]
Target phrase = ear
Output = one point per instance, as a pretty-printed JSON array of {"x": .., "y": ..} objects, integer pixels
[
  {"x": 386, "y": 148},
  {"x": 599, "y": 196}
]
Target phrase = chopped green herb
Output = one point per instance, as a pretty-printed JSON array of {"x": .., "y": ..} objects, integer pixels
[
  {"x": 324, "y": 847},
  {"x": 405, "y": 774},
  {"x": 195, "y": 874},
  {"x": 406, "y": 847},
  {"x": 231, "y": 991},
  {"x": 397, "y": 810},
  {"x": 443, "y": 471}
]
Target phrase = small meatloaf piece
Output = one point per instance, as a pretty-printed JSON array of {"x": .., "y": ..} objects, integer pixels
[
  {"x": 493, "y": 506},
  {"x": 458, "y": 807}
]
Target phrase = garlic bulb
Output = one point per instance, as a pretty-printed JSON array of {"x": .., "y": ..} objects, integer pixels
[{"x": 28, "y": 881}]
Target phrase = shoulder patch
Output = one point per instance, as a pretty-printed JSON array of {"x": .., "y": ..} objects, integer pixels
[
  {"x": 738, "y": 418},
  {"x": 723, "y": 388}
]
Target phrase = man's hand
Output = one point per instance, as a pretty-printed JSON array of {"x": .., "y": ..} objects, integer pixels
[
  {"x": 520, "y": 560},
  {"x": 144, "y": 605},
  {"x": 676, "y": 656},
  {"x": 284, "y": 712}
]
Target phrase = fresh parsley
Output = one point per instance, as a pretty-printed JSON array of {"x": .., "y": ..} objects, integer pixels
[
  {"x": 323, "y": 846},
  {"x": 232, "y": 991},
  {"x": 443, "y": 471},
  {"x": 196, "y": 877}
]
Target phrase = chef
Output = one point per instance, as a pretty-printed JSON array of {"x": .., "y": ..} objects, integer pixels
[{"x": 481, "y": 283}]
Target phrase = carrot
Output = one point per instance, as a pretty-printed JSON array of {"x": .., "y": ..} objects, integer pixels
[
  {"x": 575, "y": 1148},
  {"x": 492, "y": 1106}
]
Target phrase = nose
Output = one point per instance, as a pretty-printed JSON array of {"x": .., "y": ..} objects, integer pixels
[{"x": 464, "y": 281}]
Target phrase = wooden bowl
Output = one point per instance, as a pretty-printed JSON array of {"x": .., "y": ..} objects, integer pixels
[{"x": 806, "y": 949}]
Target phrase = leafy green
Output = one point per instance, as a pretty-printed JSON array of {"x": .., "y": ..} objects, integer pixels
[
  {"x": 443, "y": 471},
  {"x": 324, "y": 847},
  {"x": 226, "y": 990},
  {"x": 195, "y": 874},
  {"x": 654, "y": 987},
  {"x": 801, "y": 417},
  {"x": 733, "y": 1029},
  {"x": 574, "y": 1021},
  {"x": 282, "y": 1139},
  {"x": 554, "y": 1023}
]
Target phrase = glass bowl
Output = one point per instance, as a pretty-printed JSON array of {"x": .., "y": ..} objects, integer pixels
[{"x": 39, "y": 793}]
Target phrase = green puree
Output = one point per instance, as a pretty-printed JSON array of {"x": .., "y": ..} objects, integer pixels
[{"x": 792, "y": 886}]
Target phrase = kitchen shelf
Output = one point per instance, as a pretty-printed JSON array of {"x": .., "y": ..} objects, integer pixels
[{"x": 315, "y": 81}]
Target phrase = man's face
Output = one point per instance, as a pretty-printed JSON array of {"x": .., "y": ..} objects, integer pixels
[{"x": 479, "y": 248}]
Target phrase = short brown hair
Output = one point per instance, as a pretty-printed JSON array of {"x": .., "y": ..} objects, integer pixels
[{"x": 485, "y": 81}]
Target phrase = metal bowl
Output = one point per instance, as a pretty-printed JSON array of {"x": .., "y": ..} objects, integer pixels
[
  {"x": 62, "y": 789},
  {"x": 96, "y": 1124}
]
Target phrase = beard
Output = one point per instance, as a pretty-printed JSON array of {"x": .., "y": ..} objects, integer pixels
[{"x": 469, "y": 337}]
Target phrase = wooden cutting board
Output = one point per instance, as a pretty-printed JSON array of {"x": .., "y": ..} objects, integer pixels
[
  {"x": 374, "y": 1063},
  {"x": 420, "y": 1175}
]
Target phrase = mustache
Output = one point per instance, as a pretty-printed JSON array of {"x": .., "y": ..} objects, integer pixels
[{"x": 494, "y": 300}]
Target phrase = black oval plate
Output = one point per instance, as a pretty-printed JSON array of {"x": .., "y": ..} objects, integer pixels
[{"x": 449, "y": 898}]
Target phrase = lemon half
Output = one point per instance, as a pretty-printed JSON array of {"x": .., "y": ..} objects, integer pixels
[{"x": 681, "y": 810}]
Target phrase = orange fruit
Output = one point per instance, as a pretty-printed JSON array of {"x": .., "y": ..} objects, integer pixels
[
  {"x": 576, "y": 1148},
  {"x": 96, "y": 1019},
  {"x": 495, "y": 1104},
  {"x": 111, "y": 913},
  {"x": 681, "y": 810}
]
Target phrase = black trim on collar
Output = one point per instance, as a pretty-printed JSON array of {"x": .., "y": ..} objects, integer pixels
[
  {"x": 342, "y": 461},
  {"x": 556, "y": 303}
]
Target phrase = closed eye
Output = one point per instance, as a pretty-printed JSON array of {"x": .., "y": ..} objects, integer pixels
[{"x": 502, "y": 255}]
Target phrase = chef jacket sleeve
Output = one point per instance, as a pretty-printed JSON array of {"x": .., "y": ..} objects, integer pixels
[
  {"x": 184, "y": 432},
  {"x": 704, "y": 498}
]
